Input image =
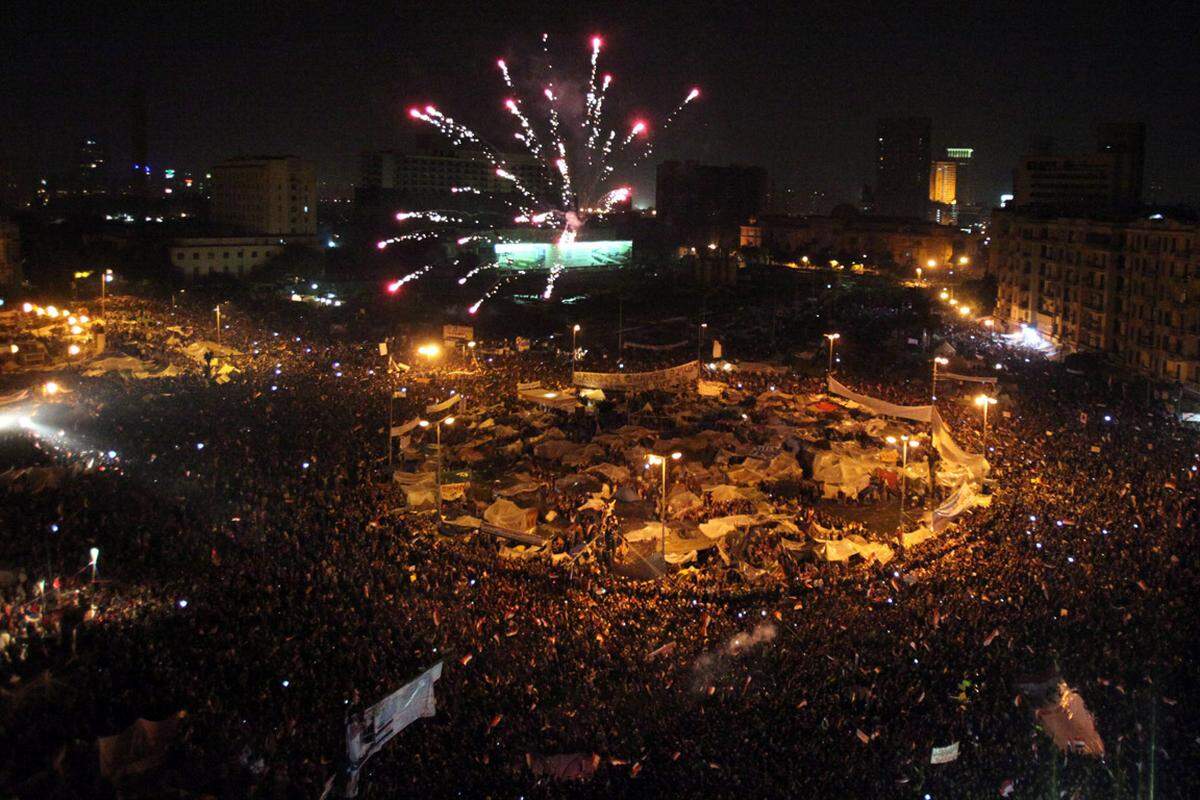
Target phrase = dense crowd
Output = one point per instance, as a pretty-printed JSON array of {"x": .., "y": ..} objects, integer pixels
[{"x": 259, "y": 571}]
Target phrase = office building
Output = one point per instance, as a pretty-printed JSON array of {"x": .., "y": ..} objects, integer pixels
[
  {"x": 902, "y": 162},
  {"x": 233, "y": 256},
  {"x": 702, "y": 204},
  {"x": 1124, "y": 285},
  {"x": 274, "y": 195},
  {"x": 91, "y": 168},
  {"x": 434, "y": 175},
  {"x": 1109, "y": 178},
  {"x": 964, "y": 189},
  {"x": 942, "y": 192},
  {"x": 907, "y": 243}
]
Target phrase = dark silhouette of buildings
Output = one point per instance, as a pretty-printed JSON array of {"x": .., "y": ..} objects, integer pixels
[
  {"x": 702, "y": 204},
  {"x": 902, "y": 163}
]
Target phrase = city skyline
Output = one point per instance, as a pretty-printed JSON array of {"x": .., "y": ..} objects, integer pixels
[{"x": 798, "y": 95}]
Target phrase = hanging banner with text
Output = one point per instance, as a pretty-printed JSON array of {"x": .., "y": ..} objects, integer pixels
[{"x": 672, "y": 377}]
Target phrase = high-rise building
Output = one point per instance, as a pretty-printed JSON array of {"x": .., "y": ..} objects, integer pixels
[
  {"x": 274, "y": 195},
  {"x": 902, "y": 167},
  {"x": 943, "y": 182},
  {"x": 1123, "y": 285},
  {"x": 10, "y": 253},
  {"x": 1126, "y": 142},
  {"x": 700, "y": 204},
  {"x": 91, "y": 168},
  {"x": 1109, "y": 178},
  {"x": 964, "y": 189}
]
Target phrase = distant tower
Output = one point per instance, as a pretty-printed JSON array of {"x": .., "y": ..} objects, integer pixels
[
  {"x": 1127, "y": 142},
  {"x": 91, "y": 168},
  {"x": 961, "y": 156}
]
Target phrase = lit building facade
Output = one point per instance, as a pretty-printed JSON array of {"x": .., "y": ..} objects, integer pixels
[
  {"x": 233, "y": 256},
  {"x": 270, "y": 195},
  {"x": 1125, "y": 286}
]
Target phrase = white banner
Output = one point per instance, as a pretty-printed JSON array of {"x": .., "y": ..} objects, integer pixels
[
  {"x": 640, "y": 381},
  {"x": 370, "y": 729},
  {"x": 462, "y": 333},
  {"x": 401, "y": 430},
  {"x": 881, "y": 407},
  {"x": 944, "y": 755},
  {"x": 445, "y": 405}
]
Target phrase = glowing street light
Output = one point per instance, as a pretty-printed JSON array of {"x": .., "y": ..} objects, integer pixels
[
  {"x": 906, "y": 442},
  {"x": 931, "y": 263},
  {"x": 430, "y": 351},
  {"x": 832, "y": 337},
  {"x": 655, "y": 460},
  {"x": 937, "y": 361},
  {"x": 574, "y": 352},
  {"x": 963, "y": 261},
  {"x": 983, "y": 401},
  {"x": 964, "y": 310},
  {"x": 73, "y": 350},
  {"x": 50, "y": 389},
  {"x": 437, "y": 429},
  {"x": 218, "y": 310},
  {"x": 95, "y": 554}
]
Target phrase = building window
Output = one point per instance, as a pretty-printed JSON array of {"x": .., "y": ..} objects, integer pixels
[{"x": 196, "y": 256}]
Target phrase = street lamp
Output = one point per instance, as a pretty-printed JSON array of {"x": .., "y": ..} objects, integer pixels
[
  {"x": 832, "y": 337},
  {"x": 937, "y": 360},
  {"x": 931, "y": 263},
  {"x": 574, "y": 352},
  {"x": 906, "y": 442},
  {"x": 437, "y": 429},
  {"x": 700, "y": 340},
  {"x": 661, "y": 461},
  {"x": 983, "y": 401},
  {"x": 106, "y": 277},
  {"x": 218, "y": 310},
  {"x": 95, "y": 554},
  {"x": 50, "y": 389},
  {"x": 430, "y": 351}
]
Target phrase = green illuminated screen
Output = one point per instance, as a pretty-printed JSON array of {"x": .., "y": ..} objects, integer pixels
[{"x": 540, "y": 255}]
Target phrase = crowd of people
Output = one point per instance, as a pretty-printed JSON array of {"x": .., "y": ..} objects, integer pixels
[{"x": 259, "y": 571}]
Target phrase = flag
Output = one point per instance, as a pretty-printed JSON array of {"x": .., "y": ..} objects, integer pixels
[{"x": 944, "y": 755}]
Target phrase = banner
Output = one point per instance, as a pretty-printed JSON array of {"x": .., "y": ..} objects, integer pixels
[
  {"x": 944, "y": 755},
  {"x": 881, "y": 407},
  {"x": 383, "y": 348},
  {"x": 963, "y": 499},
  {"x": 445, "y": 405},
  {"x": 401, "y": 430},
  {"x": 954, "y": 376},
  {"x": 369, "y": 730},
  {"x": 460, "y": 333},
  {"x": 640, "y": 346},
  {"x": 640, "y": 381},
  {"x": 717, "y": 350}
]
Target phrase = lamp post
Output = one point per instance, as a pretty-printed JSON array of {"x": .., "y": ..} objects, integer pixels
[
  {"x": 700, "y": 341},
  {"x": 106, "y": 277},
  {"x": 983, "y": 401},
  {"x": 906, "y": 442},
  {"x": 661, "y": 461},
  {"x": 95, "y": 554},
  {"x": 574, "y": 351},
  {"x": 937, "y": 361},
  {"x": 437, "y": 429},
  {"x": 218, "y": 310},
  {"x": 832, "y": 337}
]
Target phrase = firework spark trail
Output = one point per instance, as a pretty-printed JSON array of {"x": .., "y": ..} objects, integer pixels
[
  {"x": 649, "y": 149},
  {"x": 383, "y": 244},
  {"x": 591, "y": 93},
  {"x": 473, "y": 272},
  {"x": 555, "y": 270},
  {"x": 492, "y": 291},
  {"x": 395, "y": 285},
  {"x": 597, "y": 118},
  {"x": 527, "y": 136},
  {"x": 504, "y": 71},
  {"x": 428, "y": 216}
]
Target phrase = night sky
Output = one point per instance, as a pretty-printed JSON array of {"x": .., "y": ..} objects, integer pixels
[{"x": 795, "y": 87}]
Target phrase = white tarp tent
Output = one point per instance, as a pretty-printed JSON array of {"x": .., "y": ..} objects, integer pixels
[{"x": 509, "y": 516}]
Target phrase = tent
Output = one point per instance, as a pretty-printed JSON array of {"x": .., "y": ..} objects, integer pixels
[{"x": 508, "y": 515}]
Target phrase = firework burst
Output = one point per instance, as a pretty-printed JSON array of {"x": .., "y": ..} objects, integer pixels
[{"x": 575, "y": 163}]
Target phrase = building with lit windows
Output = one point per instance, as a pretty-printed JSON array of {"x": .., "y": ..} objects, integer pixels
[{"x": 1127, "y": 286}]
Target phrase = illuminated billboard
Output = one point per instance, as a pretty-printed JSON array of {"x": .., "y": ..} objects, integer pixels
[{"x": 577, "y": 255}]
